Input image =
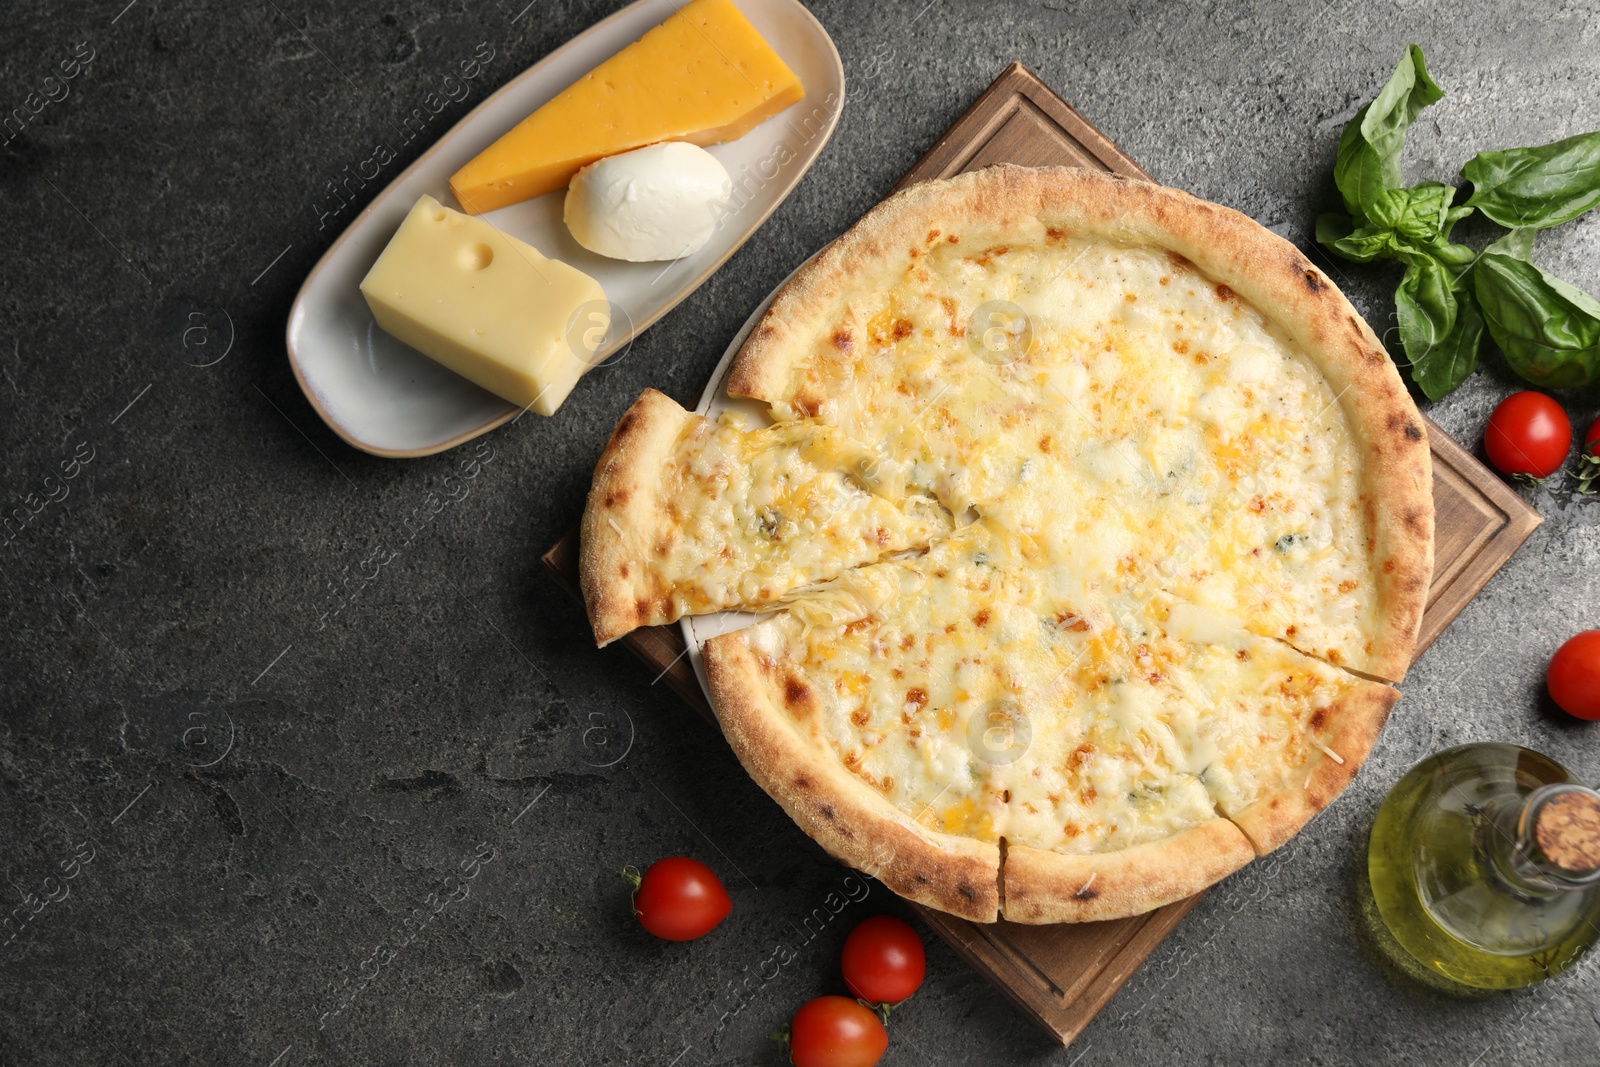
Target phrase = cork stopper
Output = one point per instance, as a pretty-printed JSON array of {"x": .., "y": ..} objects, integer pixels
[{"x": 1567, "y": 830}]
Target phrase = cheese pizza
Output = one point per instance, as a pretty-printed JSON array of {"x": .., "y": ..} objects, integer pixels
[{"x": 1158, "y": 533}]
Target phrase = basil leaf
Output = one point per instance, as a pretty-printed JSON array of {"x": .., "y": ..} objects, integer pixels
[
  {"x": 1518, "y": 244},
  {"x": 1536, "y": 188},
  {"x": 1548, "y": 330},
  {"x": 1338, "y": 233},
  {"x": 1451, "y": 359},
  {"x": 1456, "y": 257},
  {"x": 1425, "y": 304},
  {"x": 1419, "y": 212},
  {"x": 1368, "y": 160}
]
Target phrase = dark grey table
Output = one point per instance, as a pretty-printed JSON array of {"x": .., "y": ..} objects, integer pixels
[{"x": 395, "y": 838}]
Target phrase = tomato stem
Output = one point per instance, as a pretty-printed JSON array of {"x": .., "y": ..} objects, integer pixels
[
  {"x": 1528, "y": 481},
  {"x": 1588, "y": 473},
  {"x": 882, "y": 1009},
  {"x": 631, "y": 874}
]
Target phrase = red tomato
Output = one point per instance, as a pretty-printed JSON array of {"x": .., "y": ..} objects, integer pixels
[
  {"x": 1574, "y": 675},
  {"x": 836, "y": 1032},
  {"x": 1528, "y": 434},
  {"x": 882, "y": 961},
  {"x": 678, "y": 898}
]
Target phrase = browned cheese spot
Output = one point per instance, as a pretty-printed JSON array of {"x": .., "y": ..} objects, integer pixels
[
  {"x": 842, "y": 339},
  {"x": 1319, "y": 718},
  {"x": 981, "y": 619},
  {"x": 917, "y": 695},
  {"x": 1224, "y": 293},
  {"x": 1068, "y": 620}
]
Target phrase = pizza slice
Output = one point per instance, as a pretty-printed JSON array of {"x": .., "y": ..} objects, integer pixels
[
  {"x": 1199, "y": 747},
  {"x": 688, "y": 516},
  {"x": 854, "y": 709}
]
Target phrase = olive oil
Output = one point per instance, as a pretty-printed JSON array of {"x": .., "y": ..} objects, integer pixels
[{"x": 1485, "y": 866}]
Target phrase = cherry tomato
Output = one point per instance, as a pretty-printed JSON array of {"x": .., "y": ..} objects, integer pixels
[
  {"x": 1528, "y": 434},
  {"x": 836, "y": 1032},
  {"x": 678, "y": 898},
  {"x": 883, "y": 961},
  {"x": 1574, "y": 675}
]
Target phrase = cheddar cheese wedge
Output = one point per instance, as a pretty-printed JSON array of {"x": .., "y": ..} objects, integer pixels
[{"x": 705, "y": 75}]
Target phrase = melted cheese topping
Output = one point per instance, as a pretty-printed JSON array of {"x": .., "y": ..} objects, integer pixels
[
  {"x": 752, "y": 515},
  {"x": 986, "y": 697},
  {"x": 1161, "y": 553},
  {"x": 1134, "y": 420}
]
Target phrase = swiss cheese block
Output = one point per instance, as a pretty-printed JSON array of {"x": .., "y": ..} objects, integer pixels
[
  {"x": 487, "y": 306},
  {"x": 704, "y": 76}
]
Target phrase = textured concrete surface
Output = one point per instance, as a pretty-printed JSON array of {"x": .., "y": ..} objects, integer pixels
[{"x": 392, "y": 836}]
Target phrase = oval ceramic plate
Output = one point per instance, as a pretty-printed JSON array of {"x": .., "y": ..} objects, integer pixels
[{"x": 385, "y": 397}]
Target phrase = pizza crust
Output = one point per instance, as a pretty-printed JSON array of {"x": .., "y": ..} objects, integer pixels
[
  {"x": 622, "y": 517},
  {"x": 844, "y": 815},
  {"x": 1054, "y": 887},
  {"x": 1227, "y": 246}
]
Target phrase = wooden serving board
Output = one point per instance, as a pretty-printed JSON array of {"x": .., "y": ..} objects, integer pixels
[{"x": 1061, "y": 976}]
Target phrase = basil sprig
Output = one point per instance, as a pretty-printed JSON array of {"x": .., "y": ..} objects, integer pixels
[{"x": 1450, "y": 295}]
